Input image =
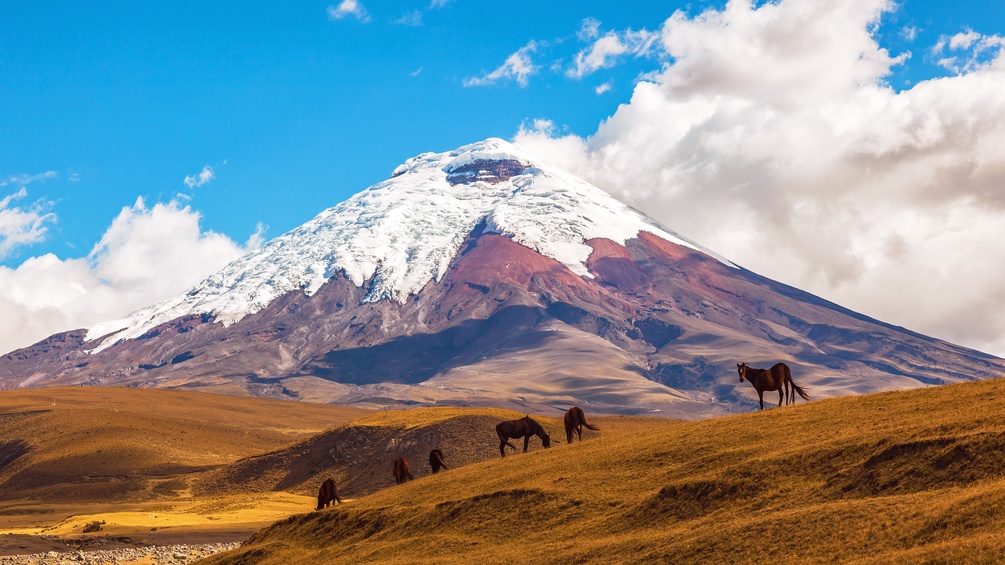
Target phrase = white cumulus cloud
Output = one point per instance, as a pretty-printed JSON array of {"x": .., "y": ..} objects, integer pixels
[
  {"x": 26, "y": 179},
  {"x": 412, "y": 19},
  {"x": 590, "y": 29},
  {"x": 348, "y": 8},
  {"x": 967, "y": 50},
  {"x": 146, "y": 254},
  {"x": 771, "y": 136},
  {"x": 605, "y": 51},
  {"x": 517, "y": 67},
  {"x": 202, "y": 177},
  {"x": 21, "y": 226}
]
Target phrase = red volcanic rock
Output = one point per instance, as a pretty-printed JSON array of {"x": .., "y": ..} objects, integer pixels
[
  {"x": 485, "y": 170},
  {"x": 613, "y": 265}
]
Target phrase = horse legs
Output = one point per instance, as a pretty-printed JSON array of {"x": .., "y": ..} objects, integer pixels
[
  {"x": 579, "y": 431},
  {"x": 760, "y": 395},
  {"x": 781, "y": 395},
  {"x": 502, "y": 444},
  {"x": 526, "y": 442}
]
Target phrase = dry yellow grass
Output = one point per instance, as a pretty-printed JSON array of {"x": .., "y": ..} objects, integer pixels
[
  {"x": 88, "y": 451},
  {"x": 157, "y": 464},
  {"x": 907, "y": 477}
]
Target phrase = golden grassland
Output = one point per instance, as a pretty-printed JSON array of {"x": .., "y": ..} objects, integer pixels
[
  {"x": 904, "y": 477},
  {"x": 160, "y": 465},
  {"x": 133, "y": 457}
]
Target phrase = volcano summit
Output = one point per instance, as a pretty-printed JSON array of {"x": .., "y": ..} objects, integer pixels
[{"x": 482, "y": 276}]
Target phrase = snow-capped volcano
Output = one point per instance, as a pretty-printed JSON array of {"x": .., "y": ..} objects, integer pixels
[
  {"x": 400, "y": 234},
  {"x": 483, "y": 276}
]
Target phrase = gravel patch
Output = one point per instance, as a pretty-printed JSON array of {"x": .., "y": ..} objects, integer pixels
[{"x": 155, "y": 554}]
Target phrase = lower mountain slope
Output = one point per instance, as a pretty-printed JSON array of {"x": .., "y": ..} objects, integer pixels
[
  {"x": 656, "y": 328},
  {"x": 897, "y": 477}
]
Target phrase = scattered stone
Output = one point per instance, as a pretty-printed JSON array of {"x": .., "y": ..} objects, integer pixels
[{"x": 160, "y": 555}]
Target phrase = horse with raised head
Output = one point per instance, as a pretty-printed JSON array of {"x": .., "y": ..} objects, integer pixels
[
  {"x": 574, "y": 422},
  {"x": 436, "y": 461},
  {"x": 400, "y": 470},
  {"x": 778, "y": 377},
  {"x": 524, "y": 427},
  {"x": 327, "y": 494}
]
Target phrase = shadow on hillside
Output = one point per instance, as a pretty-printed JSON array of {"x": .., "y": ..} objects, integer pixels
[
  {"x": 11, "y": 451},
  {"x": 417, "y": 358}
]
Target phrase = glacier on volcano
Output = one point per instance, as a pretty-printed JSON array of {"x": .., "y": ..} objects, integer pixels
[{"x": 402, "y": 233}]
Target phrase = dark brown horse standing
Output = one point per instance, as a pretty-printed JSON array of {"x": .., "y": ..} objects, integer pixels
[
  {"x": 778, "y": 377},
  {"x": 436, "y": 461},
  {"x": 327, "y": 494},
  {"x": 524, "y": 427},
  {"x": 400, "y": 470},
  {"x": 574, "y": 422}
]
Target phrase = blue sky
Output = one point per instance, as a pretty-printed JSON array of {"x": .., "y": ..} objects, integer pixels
[
  {"x": 295, "y": 110},
  {"x": 293, "y": 107}
]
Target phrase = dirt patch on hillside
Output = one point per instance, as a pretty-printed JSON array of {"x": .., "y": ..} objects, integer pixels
[
  {"x": 359, "y": 457},
  {"x": 913, "y": 466}
]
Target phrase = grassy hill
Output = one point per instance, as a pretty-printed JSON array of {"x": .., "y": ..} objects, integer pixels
[
  {"x": 359, "y": 454},
  {"x": 905, "y": 477},
  {"x": 161, "y": 465},
  {"x": 82, "y": 451}
]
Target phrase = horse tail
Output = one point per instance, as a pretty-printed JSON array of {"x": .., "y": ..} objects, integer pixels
[
  {"x": 436, "y": 460},
  {"x": 582, "y": 419},
  {"x": 800, "y": 390}
]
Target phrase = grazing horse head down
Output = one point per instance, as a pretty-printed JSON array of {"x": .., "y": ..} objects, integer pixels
[
  {"x": 778, "y": 377},
  {"x": 575, "y": 419},
  {"x": 327, "y": 494},
  {"x": 400, "y": 470},
  {"x": 436, "y": 461},
  {"x": 524, "y": 427}
]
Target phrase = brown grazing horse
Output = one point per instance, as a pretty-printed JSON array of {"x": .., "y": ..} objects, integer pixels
[
  {"x": 436, "y": 461},
  {"x": 574, "y": 422},
  {"x": 524, "y": 427},
  {"x": 778, "y": 377},
  {"x": 400, "y": 470},
  {"x": 327, "y": 494}
]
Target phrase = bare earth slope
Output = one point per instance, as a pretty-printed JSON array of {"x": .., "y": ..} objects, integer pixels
[
  {"x": 359, "y": 454},
  {"x": 847, "y": 480}
]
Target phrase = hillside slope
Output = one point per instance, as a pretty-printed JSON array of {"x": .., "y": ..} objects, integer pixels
[
  {"x": 83, "y": 450},
  {"x": 900, "y": 477},
  {"x": 358, "y": 454}
]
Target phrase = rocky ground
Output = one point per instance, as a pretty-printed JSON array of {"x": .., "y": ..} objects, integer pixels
[{"x": 148, "y": 555}]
